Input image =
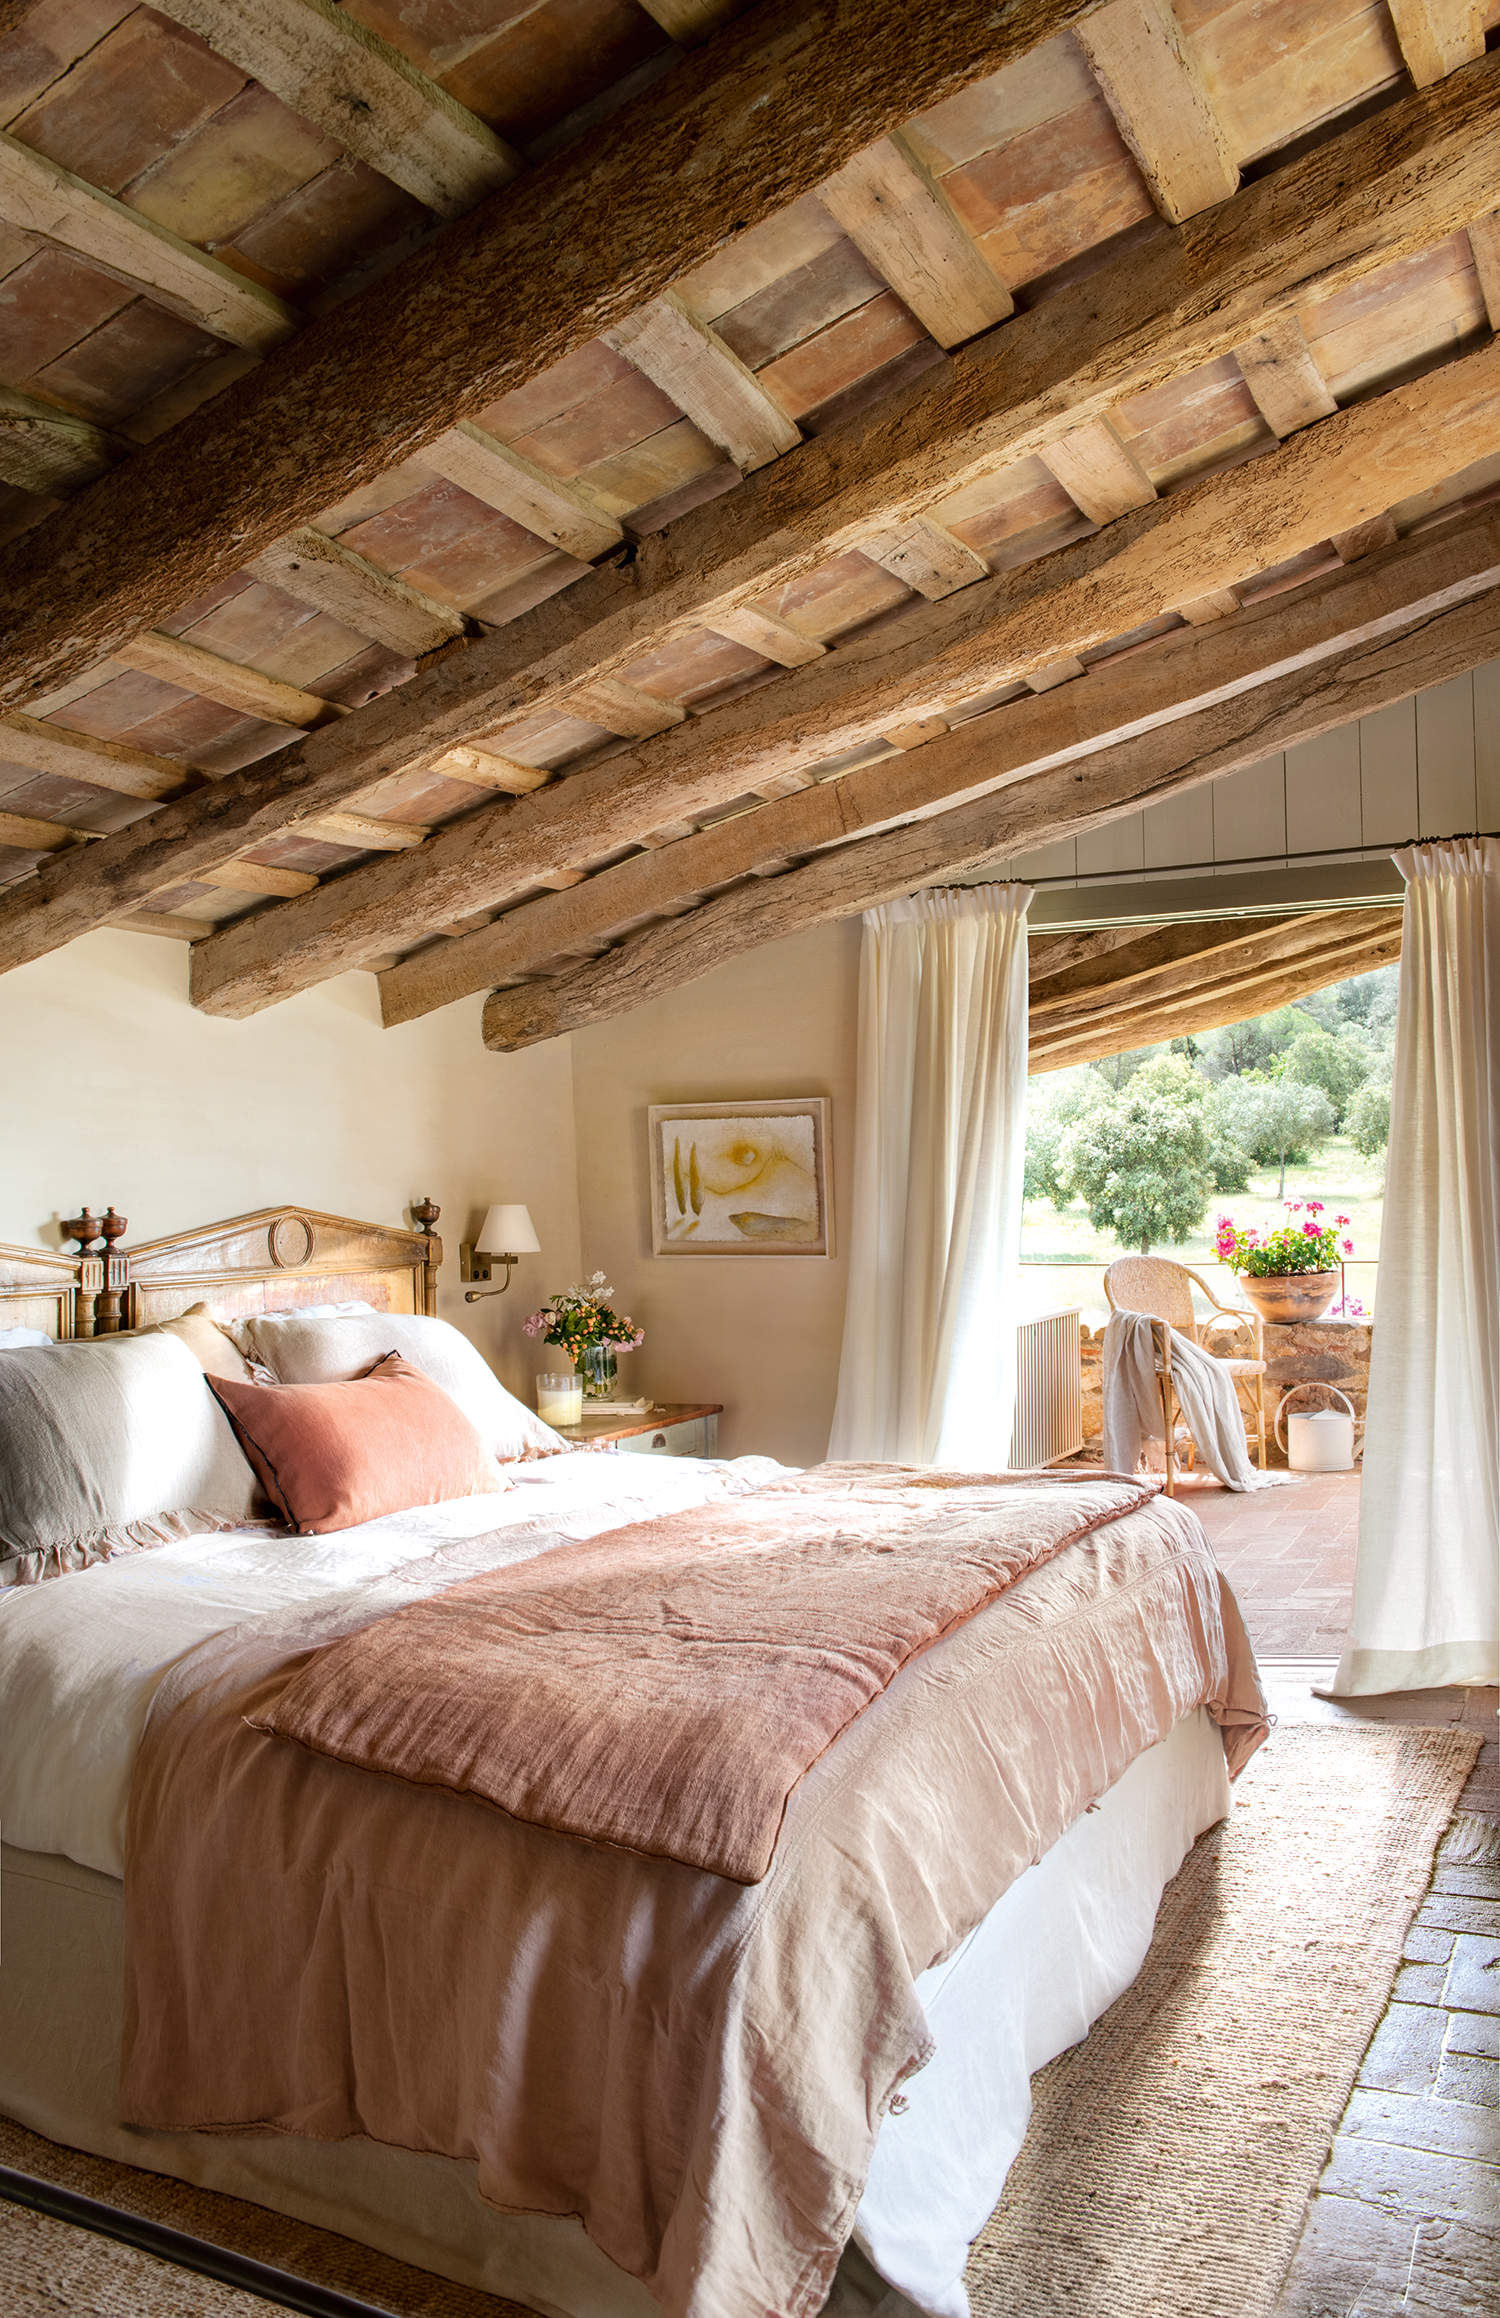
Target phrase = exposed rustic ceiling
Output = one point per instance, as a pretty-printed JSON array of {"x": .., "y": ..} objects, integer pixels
[{"x": 538, "y": 498}]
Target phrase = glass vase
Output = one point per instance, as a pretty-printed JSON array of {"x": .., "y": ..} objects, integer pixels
[{"x": 597, "y": 1366}]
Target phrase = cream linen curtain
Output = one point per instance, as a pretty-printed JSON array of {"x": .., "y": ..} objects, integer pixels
[
  {"x": 1427, "y": 1585},
  {"x": 928, "y": 1368}
]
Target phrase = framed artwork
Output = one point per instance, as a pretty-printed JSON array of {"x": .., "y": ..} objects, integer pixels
[{"x": 740, "y": 1179}]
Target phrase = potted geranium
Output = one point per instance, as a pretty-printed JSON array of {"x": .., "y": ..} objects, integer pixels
[
  {"x": 1290, "y": 1273},
  {"x": 583, "y": 1321}
]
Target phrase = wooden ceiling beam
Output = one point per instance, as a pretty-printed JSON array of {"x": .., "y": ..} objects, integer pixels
[
  {"x": 178, "y": 660},
  {"x": 1289, "y": 389},
  {"x": 1437, "y": 36},
  {"x": 1396, "y": 180},
  {"x": 1152, "y": 85},
  {"x": 1010, "y": 626},
  {"x": 1179, "y": 678},
  {"x": 335, "y": 72},
  {"x": 551, "y": 509},
  {"x": 1098, "y": 966},
  {"x": 683, "y": 355},
  {"x": 896, "y": 213},
  {"x": 50, "y": 202},
  {"x": 1202, "y": 954},
  {"x": 1064, "y": 802},
  {"x": 80, "y": 756},
  {"x": 745, "y": 125},
  {"x": 46, "y": 450},
  {"x": 34, "y": 835},
  {"x": 1217, "y": 999},
  {"x": 314, "y": 569}
]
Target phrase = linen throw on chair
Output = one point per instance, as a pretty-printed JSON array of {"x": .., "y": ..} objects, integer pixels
[
  {"x": 928, "y": 1368},
  {"x": 1133, "y": 1413},
  {"x": 1427, "y": 1583}
]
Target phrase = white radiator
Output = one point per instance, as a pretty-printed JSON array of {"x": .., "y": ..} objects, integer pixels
[{"x": 1049, "y": 1390}]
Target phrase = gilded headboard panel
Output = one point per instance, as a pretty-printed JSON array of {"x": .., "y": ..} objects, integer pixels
[
  {"x": 282, "y": 1257},
  {"x": 38, "y": 1290}
]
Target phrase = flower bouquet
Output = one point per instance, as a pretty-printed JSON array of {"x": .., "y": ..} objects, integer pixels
[
  {"x": 1290, "y": 1273},
  {"x": 584, "y": 1322}
]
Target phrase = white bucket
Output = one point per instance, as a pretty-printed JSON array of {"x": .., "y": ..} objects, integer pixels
[{"x": 1318, "y": 1440}]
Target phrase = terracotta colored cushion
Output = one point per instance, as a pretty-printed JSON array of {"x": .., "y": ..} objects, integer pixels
[{"x": 332, "y": 1455}]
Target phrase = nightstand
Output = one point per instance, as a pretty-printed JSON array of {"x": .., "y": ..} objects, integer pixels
[{"x": 675, "y": 1429}]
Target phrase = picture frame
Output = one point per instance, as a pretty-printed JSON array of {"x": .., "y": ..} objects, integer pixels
[{"x": 741, "y": 1178}]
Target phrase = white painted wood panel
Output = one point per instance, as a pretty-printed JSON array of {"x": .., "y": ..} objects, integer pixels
[
  {"x": 1487, "y": 745},
  {"x": 1445, "y": 758},
  {"x": 1120, "y": 846},
  {"x": 1388, "y": 774},
  {"x": 1250, "y": 812},
  {"x": 1322, "y": 793},
  {"x": 1179, "y": 829}
]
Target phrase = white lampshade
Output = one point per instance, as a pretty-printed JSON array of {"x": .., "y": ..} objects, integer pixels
[{"x": 507, "y": 1231}]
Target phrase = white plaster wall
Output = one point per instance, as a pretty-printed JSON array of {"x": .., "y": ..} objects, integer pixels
[
  {"x": 114, "y": 1089},
  {"x": 759, "y": 1333}
]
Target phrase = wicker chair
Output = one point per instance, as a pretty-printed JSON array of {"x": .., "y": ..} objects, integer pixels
[{"x": 1164, "y": 1291}]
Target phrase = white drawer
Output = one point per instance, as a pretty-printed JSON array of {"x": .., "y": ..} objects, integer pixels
[{"x": 696, "y": 1438}]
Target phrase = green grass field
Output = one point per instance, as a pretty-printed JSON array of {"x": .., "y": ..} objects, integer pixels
[{"x": 1064, "y": 1257}]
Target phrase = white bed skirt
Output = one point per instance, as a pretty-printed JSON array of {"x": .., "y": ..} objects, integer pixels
[{"x": 1051, "y": 1955}]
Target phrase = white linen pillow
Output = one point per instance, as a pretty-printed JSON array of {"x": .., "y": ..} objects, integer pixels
[
  {"x": 19, "y": 1339},
  {"x": 299, "y": 1350},
  {"x": 107, "y": 1447},
  {"x": 237, "y": 1327}
]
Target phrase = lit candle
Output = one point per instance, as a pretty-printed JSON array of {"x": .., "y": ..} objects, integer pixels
[{"x": 559, "y": 1399}]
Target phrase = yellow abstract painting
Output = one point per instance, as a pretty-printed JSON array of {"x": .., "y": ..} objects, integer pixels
[{"x": 740, "y": 1178}]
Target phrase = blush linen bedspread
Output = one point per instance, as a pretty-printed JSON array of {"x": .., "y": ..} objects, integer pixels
[{"x": 695, "y": 2067}]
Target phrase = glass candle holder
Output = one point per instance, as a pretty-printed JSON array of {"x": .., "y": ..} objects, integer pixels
[{"x": 559, "y": 1399}]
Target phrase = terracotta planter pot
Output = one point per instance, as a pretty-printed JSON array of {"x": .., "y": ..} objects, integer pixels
[{"x": 1291, "y": 1296}]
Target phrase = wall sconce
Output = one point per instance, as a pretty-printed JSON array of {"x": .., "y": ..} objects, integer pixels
[{"x": 505, "y": 1235}]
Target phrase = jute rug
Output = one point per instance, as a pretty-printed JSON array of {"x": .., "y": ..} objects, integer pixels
[{"x": 1170, "y": 2157}]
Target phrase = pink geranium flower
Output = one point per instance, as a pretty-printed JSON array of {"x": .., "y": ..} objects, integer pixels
[
  {"x": 1348, "y": 1247},
  {"x": 1340, "y": 1221}
]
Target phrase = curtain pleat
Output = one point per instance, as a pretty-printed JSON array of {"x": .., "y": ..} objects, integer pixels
[
  {"x": 927, "y": 1374},
  {"x": 1427, "y": 1584}
]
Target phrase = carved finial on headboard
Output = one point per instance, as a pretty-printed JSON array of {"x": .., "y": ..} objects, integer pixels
[
  {"x": 87, "y": 1230},
  {"x": 109, "y": 1310},
  {"x": 424, "y": 1214}
]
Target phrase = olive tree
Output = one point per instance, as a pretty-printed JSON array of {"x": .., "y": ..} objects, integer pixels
[{"x": 1141, "y": 1159}]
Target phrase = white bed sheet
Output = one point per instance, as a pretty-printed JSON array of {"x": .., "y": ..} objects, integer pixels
[{"x": 81, "y": 1656}]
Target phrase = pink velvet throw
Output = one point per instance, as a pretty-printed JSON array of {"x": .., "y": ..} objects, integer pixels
[{"x": 666, "y": 1687}]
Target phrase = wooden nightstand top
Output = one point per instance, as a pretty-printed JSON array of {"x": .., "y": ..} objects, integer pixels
[{"x": 600, "y": 1425}]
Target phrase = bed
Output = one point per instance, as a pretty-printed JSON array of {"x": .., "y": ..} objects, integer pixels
[{"x": 979, "y": 1970}]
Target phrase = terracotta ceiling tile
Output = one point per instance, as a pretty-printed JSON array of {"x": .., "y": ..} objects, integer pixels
[
  {"x": 547, "y": 62},
  {"x": 576, "y": 379},
  {"x": 1192, "y": 422},
  {"x": 757, "y": 260},
  {"x": 144, "y": 88},
  {"x": 871, "y": 336},
  {"x": 48, "y": 305},
  {"x": 470, "y": 569},
  {"x": 323, "y": 229},
  {"x": 425, "y": 524},
  {"x": 690, "y": 667},
  {"x": 790, "y": 310},
  {"x": 218, "y": 181},
  {"x": 643, "y": 475},
  {"x": 136, "y": 354},
  {"x": 1277, "y": 68},
  {"x": 621, "y": 414},
  {"x": 841, "y": 594},
  {"x": 1034, "y": 241},
  {"x": 48, "y": 39},
  {"x": 438, "y": 34},
  {"x": 1054, "y": 79}
]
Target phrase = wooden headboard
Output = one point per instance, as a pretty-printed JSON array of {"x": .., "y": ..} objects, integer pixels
[{"x": 272, "y": 1261}]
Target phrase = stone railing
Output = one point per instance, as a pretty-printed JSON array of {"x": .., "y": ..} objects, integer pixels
[{"x": 1333, "y": 1352}]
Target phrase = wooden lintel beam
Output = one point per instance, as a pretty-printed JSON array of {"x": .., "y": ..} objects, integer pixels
[
  {"x": 50, "y": 202},
  {"x": 1183, "y": 676},
  {"x": 744, "y": 125},
  {"x": 1153, "y": 87},
  {"x": 333, "y": 70},
  {"x": 1061, "y": 803}
]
